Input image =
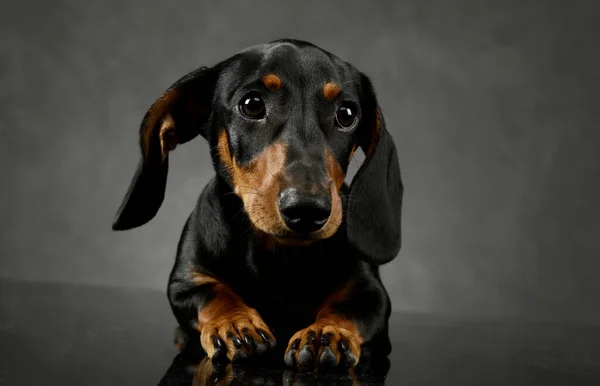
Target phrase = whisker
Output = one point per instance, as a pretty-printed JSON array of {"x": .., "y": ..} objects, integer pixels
[
  {"x": 357, "y": 198},
  {"x": 294, "y": 253},
  {"x": 249, "y": 187},
  {"x": 350, "y": 214},
  {"x": 238, "y": 212},
  {"x": 270, "y": 172},
  {"x": 249, "y": 207},
  {"x": 255, "y": 193},
  {"x": 260, "y": 220}
]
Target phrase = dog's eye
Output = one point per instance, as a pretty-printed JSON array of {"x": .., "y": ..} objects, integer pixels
[
  {"x": 345, "y": 116},
  {"x": 252, "y": 106}
]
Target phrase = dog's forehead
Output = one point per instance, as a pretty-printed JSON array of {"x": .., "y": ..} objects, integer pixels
[
  {"x": 289, "y": 60},
  {"x": 299, "y": 63}
]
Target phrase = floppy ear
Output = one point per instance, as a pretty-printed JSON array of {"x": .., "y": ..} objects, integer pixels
[
  {"x": 375, "y": 199},
  {"x": 179, "y": 115}
]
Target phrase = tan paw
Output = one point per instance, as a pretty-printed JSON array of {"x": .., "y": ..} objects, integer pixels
[
  {"x": 323, "y": 346},
  {"x": 236, "y": 336}
]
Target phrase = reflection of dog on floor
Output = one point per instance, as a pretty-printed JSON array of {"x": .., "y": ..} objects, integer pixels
[
  {"x": 207, "y": 373},
  {"x": 278, "y": 247},
  {"x": 185, "y": 370}
]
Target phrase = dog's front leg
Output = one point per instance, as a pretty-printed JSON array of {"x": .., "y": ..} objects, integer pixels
[{"x": 229, "y": 329}]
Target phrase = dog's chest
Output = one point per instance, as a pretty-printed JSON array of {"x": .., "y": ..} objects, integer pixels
[{"x": 295, "y": 280}]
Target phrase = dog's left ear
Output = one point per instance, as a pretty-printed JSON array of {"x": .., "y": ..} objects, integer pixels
[
  {"x": 180, "y": 114},
  {"x": 375, "y": 199}
]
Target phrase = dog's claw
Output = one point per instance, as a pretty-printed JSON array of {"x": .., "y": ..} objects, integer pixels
[
  {"x": 217, "y": 342},
  {"x": 343, "y": 346},
  {"x": 296, "y": 344},
  {"x": 263, "y": 335},
  {"x": 237, "y": 342},
  {"x": 290, "y": 355},
  {"x": 248, "y": 339},
  {"x": 220, "y": 353}
]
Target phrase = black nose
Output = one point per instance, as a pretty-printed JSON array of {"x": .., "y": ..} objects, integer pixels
[{"x": 303, "y": 212}]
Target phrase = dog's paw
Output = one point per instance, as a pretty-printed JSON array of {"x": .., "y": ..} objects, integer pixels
[
  {"x": 236, "y": 336},
  {"x": 323, "y": 346}
]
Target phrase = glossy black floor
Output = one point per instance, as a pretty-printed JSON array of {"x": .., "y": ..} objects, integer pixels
[{"x": 55, "y": 334}]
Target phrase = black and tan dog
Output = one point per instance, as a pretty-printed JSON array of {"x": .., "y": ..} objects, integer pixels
[{"x": 278, "y": 247}]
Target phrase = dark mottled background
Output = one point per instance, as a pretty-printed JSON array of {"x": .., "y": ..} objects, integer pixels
[{"x": 494, "y": 107}]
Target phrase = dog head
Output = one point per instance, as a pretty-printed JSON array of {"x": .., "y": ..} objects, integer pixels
[{"x": 283, "y": 120}]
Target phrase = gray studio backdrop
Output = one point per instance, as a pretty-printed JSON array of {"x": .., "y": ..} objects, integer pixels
[{"x": 494, "y": 107}]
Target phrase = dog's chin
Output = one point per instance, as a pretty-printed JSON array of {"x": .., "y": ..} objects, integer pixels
[
  {"x": 294, "y": 241},
  {"x": 287, "y": 238}
]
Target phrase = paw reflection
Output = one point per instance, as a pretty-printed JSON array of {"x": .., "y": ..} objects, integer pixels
[
  {"x": 189, "y": 368},
  {"x": 209, "y": 373}
]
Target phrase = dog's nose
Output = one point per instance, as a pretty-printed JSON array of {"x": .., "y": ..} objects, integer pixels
[{"x": 304, "y": 212}]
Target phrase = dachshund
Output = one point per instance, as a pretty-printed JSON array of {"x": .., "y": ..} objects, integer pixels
[{"x": 280, "y": 256}]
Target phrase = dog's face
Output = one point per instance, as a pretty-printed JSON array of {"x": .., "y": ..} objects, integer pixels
[
  {"x": 286, "y": 121},
  {"x": 283, "y": 120}
]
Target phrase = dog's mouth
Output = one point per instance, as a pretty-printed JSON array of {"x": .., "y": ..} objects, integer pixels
[{"x": 290, "y": 239}]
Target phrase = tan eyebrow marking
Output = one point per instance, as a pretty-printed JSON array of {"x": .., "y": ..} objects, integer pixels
[
  {"x": 272, "y": 82},
  {"x": 331, "y": 90}
]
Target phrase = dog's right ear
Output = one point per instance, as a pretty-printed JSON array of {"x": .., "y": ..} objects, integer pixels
[{"x": 179, "y": 115}]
